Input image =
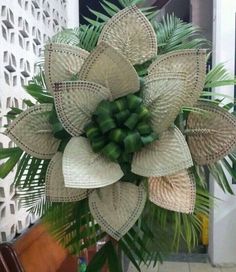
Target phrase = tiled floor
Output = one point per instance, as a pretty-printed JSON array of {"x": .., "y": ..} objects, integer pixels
[
  {"x": 184, "y": 267},
  {"x": 190, "y": 267}
]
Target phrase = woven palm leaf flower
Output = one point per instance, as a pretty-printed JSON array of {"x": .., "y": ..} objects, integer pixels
[{"x": 107, "y": 121}]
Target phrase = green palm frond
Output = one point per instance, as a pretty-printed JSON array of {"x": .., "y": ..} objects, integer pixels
[
  {"x": 12, "y": 155},
  {"x": 12, "y": 114},
  {"x": 85, "y": 37},
  {"x": 111, "y": 9},
  {"x": 212, "y": 95},
  {"x": 30, "y": 180},
  {"x": 174, "y": 34},
  {"x": 38, "y": 90},
  {"x": 41, "y": 206},
  {"x": 127, "y": 3},
  {"x": 219, "y": 76},
  {"x": 185, "y": 227},
  {"x": 229, "y": 165},
  {"x": 68, "y": 36},
  {"x": 73, "y": 225},
  {"x": 89, "y": 36},
  {"x": 218, "y": 173}
]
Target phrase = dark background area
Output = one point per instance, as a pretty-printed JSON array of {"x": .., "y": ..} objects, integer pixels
[{"x": 85, "y": 5}]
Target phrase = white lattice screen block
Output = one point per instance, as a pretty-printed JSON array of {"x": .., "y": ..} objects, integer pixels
[{"x": 25, "y": 25}]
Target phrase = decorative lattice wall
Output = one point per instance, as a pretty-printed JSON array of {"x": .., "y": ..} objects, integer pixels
[{"x": 25, "y": 25}]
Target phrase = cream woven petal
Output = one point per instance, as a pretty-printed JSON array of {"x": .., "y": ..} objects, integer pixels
[
  {"x": 62, "y": 62},
  {"x": 164, "y": 96},
  {"x": 82, "y": 168},
  {"x": 164, "y": 157},
  {"x": 211, "y": 134},
  {"x": 32, "y": 132},
  {"x": 176, "y": 192},
  {"x": 192, "y": 62},
  {"x": 130, "y": 32},
  {"x": 75, "y": 103},
  {"x": 55, "y": 186},
  {"x": 106, "y": 66},
  {"x": 117, "y": 207}
]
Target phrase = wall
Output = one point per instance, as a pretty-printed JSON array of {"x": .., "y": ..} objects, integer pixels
[
  {"x": 72, "y": 10},
  {"x": 25, "y": 26},
  {"x": 222, "y": 249},
  {"x": 202, "y": 16}
]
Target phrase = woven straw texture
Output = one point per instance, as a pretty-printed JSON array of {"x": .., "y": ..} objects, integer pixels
[
  {"x": 75, "y": 103},
  {"x": 62, "y": 62},
  {"x": 130, "y": 32},
  {"x": 82, "y": 168},
  {"x": 55, "y": 187},
  {"x": 211, "y": 134},
  {"x": 116, "y": 208},
  {"x": 106, "y": 66},
  {"x": 176, "y": 192},
  {"x": 164, "y": 157},
  {"x": 191, "y": 62},
  {"x": 31, "y": 131},
  {"x": 164, "y": 96}
]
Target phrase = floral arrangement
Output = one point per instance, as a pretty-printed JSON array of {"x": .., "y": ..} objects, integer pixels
[{"x": 123, "y": 131}]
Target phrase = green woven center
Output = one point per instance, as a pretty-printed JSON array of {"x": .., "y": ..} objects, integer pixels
[{"x": 120, "y": 128}]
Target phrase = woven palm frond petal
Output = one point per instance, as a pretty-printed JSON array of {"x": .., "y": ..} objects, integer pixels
[
  {"x": 55, "y": 186},
  {"x": 164, "y": 96},
  {"x": 117, "y": 207},
  {"x": 192, "y": 62},
  {"x": 82, "y": 168},
  {"x": 130, "y": 32},
  {"x": 75, "y": 102},
  {"x": 32, "y": 132},
  {"x": 164, "y": 157},
  {"x": 176, "y": 192},
  {"x": 211, "y": 133},
  {"x": 107, "y": 67},
  {"x": 62, "y": 62}
]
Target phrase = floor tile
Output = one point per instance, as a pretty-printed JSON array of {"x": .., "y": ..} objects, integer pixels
[
  {"x": 229, "y": 269},
  {"x": 174, "y": 267},
  {"x": 203, "y": 267},
  {"x": 143, "y": 269}
]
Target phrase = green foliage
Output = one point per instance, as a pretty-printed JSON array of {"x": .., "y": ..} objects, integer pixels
[
  {"x": 38, "y": 93},
  {"x": 13, "y": 155},
  {"x": 174, "y": 34},
  {"x": 127, "y": 3},
  {"x": 229, "y": 164},
  {"x": 11, "y": 115},
  {"x": 157, "y": 231},
  {"x": 184, "y": 227},
  {"x": 111, "y": 9},
  {"x": 73, "y": 225},
  {"x": 219, "y": 76},
  {"x": 40, "y": 207},
  {"x": 89, "y": 36},
  {"x": 86, "y": 36},
  {"x": 30, "y": 181},
  {"x": 107, "y": 254},
  {"x": 68, "y": 36},
  {"x": 217, "y": 171}
]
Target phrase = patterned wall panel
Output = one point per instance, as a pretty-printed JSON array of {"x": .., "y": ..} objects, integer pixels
[{"x": 25, "y": 25}]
